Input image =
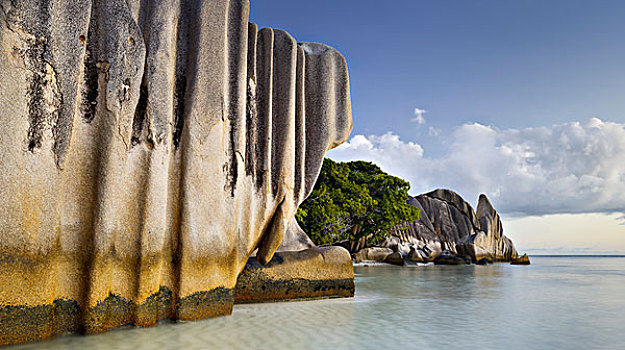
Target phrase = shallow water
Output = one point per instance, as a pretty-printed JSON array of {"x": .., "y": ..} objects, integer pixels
[{"x": 556, "y": 303}]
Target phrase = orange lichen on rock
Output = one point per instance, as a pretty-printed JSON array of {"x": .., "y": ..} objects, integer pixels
[{"x": 143, "y": 163}]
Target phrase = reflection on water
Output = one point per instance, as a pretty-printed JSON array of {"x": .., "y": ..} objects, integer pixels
[{"x": 556, "y": 303}]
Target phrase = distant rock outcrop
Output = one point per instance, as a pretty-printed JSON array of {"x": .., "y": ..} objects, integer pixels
[
  {"x": 147, "y": 149},
  {"x": 522, "y": 260},
  {"x": 449, "y": 226}
]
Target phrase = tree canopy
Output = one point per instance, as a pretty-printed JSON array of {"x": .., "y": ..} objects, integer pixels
[{"x": 354, "y": 201}]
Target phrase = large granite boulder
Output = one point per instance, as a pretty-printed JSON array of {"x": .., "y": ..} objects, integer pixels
[
  {"x": 147, "y": 149},
  {"x": 419, "y": 233},
  {"x": 308, "y": 274},
  {"x": 456, "y": 201},
  {"x": 375, "y": 254},
  {"x": 490, "y": 241},
  {"x": 449, "y": 224},
  {"x": 298, "y": 270},
  {"x": 448, "y": 258},
  {"x": 421, "y": 254},
  {"x": 449, "y": 219},
  {"x": 395, "y": 258}
]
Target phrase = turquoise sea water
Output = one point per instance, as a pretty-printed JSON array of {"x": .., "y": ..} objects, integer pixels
[{"x": 556, "y": 303}]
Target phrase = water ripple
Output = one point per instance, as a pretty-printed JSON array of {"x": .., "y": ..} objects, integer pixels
[{"x": 556, "y": 303}]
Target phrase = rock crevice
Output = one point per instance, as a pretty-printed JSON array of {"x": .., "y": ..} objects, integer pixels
[{"x": 154, "y": 147}]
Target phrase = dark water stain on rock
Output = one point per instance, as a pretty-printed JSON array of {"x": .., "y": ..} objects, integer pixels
[
  {"x": 180, "y": 90},
  {"x": 159, "y": 306},
  {"x": 23, "y": 323},
  {"x": 139, "y": 120},
  {"x": 114, "y": 311},
  {"x": 256, "y": 290},
  {"x": 200, "y": 305}
]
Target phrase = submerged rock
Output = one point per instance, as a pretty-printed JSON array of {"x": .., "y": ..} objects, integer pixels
[
  {"x": 299, "y": 270},
  {"x": 522, "y": 260},
  {"x": 147, "y": 149}
]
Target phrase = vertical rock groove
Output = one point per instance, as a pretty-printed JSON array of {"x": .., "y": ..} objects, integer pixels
[
  {"x": 42, "y": 90},
  {"x": 140, "y": 114},
  {"x": 236, "y": 41},
  {"x": 264, "y": 106},
  {"x": 300, "y": 128},
  {"x": 250, "y": 112},
  {"x": 150, "y": 149},
  {"x": 90, "y": 78},
  {"x": 283, "y": 110}
]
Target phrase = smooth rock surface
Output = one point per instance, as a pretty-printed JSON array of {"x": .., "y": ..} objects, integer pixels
[
  {"x": 456, "y": 201},
  {"x": 395, "y": 258},
  {"x": 295, "y": 238},
  {"x": 422, "y": 255},
  {"x": 448, "y": 223},
  {"x": 448, "y": 258},
  {"x": 308, "y": 274},
  {"x": 147, "y": 149},
  {"x": 376, "y": 254}
]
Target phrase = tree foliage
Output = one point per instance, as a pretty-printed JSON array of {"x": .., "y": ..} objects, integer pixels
[{"x": 353, "y": 201}]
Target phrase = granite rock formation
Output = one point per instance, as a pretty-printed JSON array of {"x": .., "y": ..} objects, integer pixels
[
  {"x": 489, "y": 242},
  {"x": 449, "y": 226},
  {"x": 299, "y": 270},
  {"x": 295, "y": 239},
  {"x": 307, "y": 274},
  {"x": 376, "y": 254},
  {"x": 396, "y": 258},
  {"x": 147, "y": 149},
  {"x": 521, "y": 260}
]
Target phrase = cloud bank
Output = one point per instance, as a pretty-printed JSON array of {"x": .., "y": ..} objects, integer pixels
[{"x": 567, "y": 168}]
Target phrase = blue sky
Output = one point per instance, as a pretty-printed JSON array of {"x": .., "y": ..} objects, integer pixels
[
  {"x": 510, "y": 63},
  {"x": 523, "y": 100}
]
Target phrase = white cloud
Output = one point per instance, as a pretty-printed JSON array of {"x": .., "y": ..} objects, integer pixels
[
  {"x": 386, "y": 146},
  {"x": 568, "y": 168},
  {"x": 418, "y": 112},
  {"x": 434, "y": 132}
]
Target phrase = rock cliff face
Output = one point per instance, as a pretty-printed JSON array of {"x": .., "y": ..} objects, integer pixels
[
  {"x": 147, "y": 148},
  {"x": 490, "y": 242},
  {"x": 449, "y": 224}
]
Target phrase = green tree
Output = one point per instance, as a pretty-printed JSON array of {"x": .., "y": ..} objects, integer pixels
[{"x": 355, "y": 201}]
